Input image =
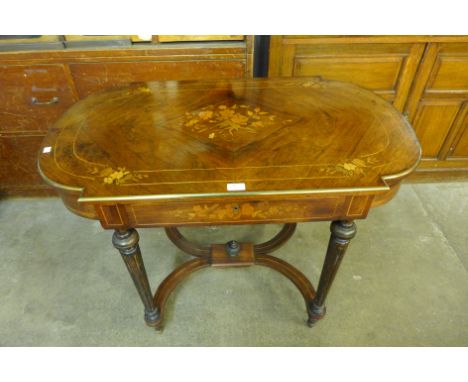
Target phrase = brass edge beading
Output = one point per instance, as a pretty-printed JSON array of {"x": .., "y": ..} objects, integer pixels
[
  {"x": 55, "y": 184},
  {"x": 128, "y": 198},
  {"x": 409, "y": 170}
]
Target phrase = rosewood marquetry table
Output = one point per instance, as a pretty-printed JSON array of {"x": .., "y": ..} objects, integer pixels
[{"x": 198, "y": 153}]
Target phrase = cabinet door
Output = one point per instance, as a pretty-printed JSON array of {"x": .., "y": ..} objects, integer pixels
[
  {"x": 32, "y": 97},
  {"x": 459, "y": 146},
  {"x": 387, "y": 69},
  {"x": 18, "y": 168},
  {"x": 438, "y": 103}
]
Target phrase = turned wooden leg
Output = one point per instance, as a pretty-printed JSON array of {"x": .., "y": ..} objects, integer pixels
[
  {"x": 126, "y": 241},
  {"x": 342, "y": 232}
]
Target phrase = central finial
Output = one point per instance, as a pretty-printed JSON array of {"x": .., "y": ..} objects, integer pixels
[{"x": 232, "y": 248}]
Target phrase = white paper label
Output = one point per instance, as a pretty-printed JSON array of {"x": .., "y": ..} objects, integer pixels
[
  {"x": 236, "y": 186},
  {"x": 46, "y": 150}
]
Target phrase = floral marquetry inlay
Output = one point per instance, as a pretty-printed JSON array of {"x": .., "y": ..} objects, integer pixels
[
  {"x": 262, "y": 210},
  {"x": 351, "y": 167},
  {"x": 118, "y": 176},
  {"x": 225, "y": 122}
]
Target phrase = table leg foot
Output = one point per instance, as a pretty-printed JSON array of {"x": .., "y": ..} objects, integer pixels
[
  {"x": 151, "y": 316},
  {"x": 316, "y": 313}
]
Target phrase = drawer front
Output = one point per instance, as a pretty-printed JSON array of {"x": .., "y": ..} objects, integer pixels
[
  {"x": 90, "y": 78},
  {"x": 32, "y": 97},
  {"x": 249, "y": 212}
]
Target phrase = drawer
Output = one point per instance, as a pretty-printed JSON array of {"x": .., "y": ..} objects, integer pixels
[
  {"x": 450, "y": 71},
  {"x": 223, "y": 212},
  {"x": 32, "y": 97},
  {"x": 90, "y": 78}
]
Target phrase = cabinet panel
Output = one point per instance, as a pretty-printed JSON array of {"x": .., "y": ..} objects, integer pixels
[
  {"x": 387, "y": 69},
  {"x": 93, "y": 77},
  {"x": 18, "y": 161},
  {"x": 459, "y": 148},
  {"x": 450, "y": 71},
  {"x": 32, "y": 97},
  {"x": 432, "y": 124},
  {"x": 372, "y": 73}
]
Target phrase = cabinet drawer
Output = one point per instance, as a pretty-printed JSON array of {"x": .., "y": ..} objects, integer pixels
[
  {"x": 32, "y": 97},
  {"x": 93, "y": 77}
]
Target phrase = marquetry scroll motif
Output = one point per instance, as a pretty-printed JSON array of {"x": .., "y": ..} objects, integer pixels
[{"x": 225, "y": 121}]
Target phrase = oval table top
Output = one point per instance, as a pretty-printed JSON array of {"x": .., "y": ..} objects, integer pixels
[{"x": 175, "y": 139}]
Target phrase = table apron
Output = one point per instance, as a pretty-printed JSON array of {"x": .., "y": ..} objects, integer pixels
[{"x": 152, "y": 214}]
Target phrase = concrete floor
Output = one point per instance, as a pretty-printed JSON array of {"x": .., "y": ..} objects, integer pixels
[{"x": 403, "y": 282}]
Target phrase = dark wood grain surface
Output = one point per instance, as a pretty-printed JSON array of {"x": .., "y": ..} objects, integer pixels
[{"x": 160, "y": 140}]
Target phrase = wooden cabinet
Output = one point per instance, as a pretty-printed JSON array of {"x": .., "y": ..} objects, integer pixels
[
  {"x": 18, "y": 172},
  {"x": 32, "y": 97},
  {"x": 92, "y": 77},
  {"x": 37, "y": 86},
  {"x": 437, "y": 108},
  {"x": 426, "y": 77},
  {"x": 387, "y": 69}
]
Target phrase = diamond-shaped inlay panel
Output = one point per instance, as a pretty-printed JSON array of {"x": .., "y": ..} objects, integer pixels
[{"x": 233, "y": 125}]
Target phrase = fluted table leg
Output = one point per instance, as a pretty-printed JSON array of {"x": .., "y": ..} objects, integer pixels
[
  {"x": 126, "y": 241},
  {"x": 342, "y": 232}
]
